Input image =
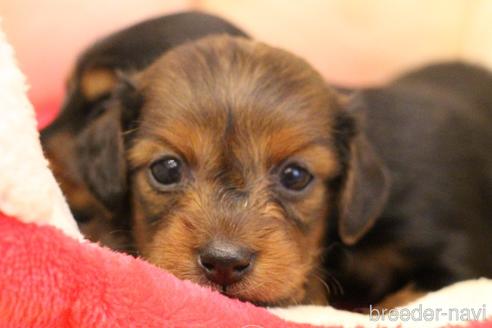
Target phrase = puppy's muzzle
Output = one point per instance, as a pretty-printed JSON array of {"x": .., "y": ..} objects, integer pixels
[{"x": 225, "y": 263}]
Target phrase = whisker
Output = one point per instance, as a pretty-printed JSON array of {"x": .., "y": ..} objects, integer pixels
[
  {"x": 338, "y": 288},
  {"x": 112, "y": 232},
  {"x": 328, "y": 289},
  {"x": 334, "y": 286},
  {"x": 129, "y": 131}
]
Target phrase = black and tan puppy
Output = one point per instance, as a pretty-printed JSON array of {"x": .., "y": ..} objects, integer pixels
[
  {"x": 232, "y": 164},
  {"x": 103, "y": 214}
]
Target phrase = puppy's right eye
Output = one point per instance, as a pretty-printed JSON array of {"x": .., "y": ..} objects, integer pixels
[{"x": 166, "y": 171}]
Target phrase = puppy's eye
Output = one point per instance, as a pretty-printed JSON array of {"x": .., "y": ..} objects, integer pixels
[
  {"x": 295, "y": 177},
  {"x": 167, "y": 170}
]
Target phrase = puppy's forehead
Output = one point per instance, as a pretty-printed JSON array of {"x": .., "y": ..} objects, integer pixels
[{"x": 224, "y": 91}]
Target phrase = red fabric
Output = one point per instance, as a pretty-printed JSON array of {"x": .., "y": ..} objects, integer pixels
[{"x": 50, "y": 280}]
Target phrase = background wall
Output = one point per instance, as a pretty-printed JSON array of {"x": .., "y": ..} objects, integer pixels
[{"x": 352, "y": 42}]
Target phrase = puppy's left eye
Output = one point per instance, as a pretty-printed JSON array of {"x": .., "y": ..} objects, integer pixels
[
  {"x": 295, "y": 177},
  {"x": 166, "y": 171}
]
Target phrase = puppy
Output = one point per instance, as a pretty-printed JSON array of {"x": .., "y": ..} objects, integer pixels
[
  {"x": 98, "y": 72},
  {"x": 431, "y": 130},
  {"x": 232, "y": 164}
]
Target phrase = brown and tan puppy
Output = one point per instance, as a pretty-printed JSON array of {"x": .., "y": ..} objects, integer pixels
[
  {"x": 230, "y": 160},
  {"x": 103, "y": 214},
  {"x": 232, "y": 164}
]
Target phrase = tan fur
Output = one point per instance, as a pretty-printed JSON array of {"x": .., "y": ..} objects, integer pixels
[
  {"x": 237, "y": 110},
  {"x": 97, "y": 82}
]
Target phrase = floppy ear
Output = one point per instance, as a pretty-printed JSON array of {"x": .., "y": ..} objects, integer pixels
[
  {"x": 101, "y": 146},
  {"x": 100, "y": 152},
  {"x": 364, "y": 192}
]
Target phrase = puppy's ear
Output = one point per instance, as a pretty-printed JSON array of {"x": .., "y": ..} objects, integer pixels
[
  {"x": 101, "y": 146},
  {"x": 366, "y": 186}
]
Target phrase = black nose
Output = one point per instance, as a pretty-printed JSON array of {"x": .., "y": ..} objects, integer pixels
[{"x": 225, "y": 263}]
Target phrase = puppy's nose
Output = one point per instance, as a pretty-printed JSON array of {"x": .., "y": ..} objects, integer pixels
[{"x": 225, "y": 263}]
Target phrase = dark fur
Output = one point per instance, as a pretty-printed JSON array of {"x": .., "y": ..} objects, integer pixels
[
  {"x": 433, "y": 130},
  {"x": 405, "y": 171},
  {"x": 103, "y": 214}
]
